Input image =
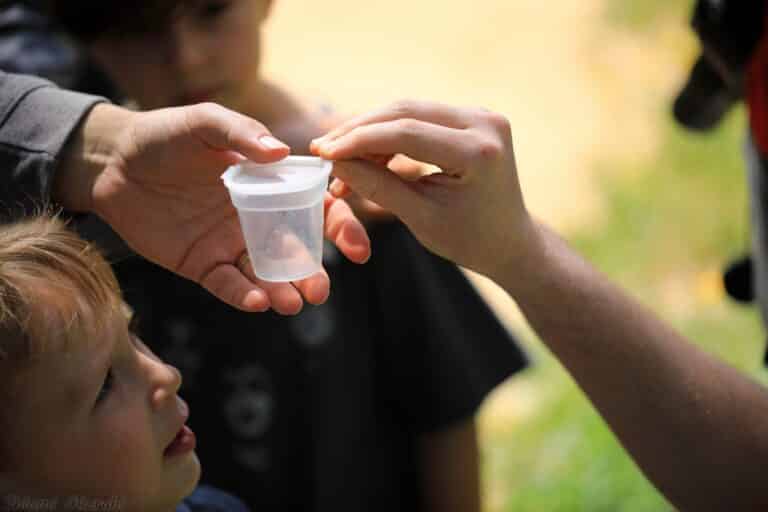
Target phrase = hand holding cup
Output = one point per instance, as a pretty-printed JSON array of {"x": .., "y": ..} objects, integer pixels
[{"x": 471, "y": 212}]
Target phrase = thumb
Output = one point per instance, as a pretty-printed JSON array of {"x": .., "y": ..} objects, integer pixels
[
  {"x": 230, "y": 131},
  {"x": 380, "y": 185}
]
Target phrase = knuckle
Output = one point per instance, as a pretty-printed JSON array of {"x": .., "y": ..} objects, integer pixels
[
  {"x": 499, "y": 123},
  {"x": 209, "y": 105},
  {"x": 353, "y": 138},
  {"x": 207, "y": 109},
  {"x": 202, "y": 115},
  {"x": 407, "y": 126},
  {"x": 256, "y": 127},
  {"x": 488, "y": 150},
  {"x": 403, "y": 107}
]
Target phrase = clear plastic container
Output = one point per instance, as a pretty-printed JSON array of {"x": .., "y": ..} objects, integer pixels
[{"x": 281, "y": 214}]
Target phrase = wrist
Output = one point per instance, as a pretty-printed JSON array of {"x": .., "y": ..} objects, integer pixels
[
  {"x": 524, "y": 260},
  {"x": 91, "y": 149}
]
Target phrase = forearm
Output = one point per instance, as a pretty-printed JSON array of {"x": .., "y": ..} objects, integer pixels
[
  {"x": 451, "y": 469},
  {"x": 697, "y": 427}
]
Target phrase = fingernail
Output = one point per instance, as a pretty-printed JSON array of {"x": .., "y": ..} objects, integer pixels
[
  {"x": 319, "y": 145},
  {"x": 270, "y": 142},
  {"x": 337, "y": 187}
]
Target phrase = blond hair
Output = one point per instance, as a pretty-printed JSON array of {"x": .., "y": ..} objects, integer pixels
[
  {"x": 53, "y": 285},
  {"x": 56, "y": 289}
]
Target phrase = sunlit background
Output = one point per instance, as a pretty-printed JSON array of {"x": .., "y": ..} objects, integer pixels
[{"x": 587, "y": 85}]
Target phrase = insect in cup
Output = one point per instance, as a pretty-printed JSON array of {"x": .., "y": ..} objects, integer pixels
[{"x": 281, "y": 213}]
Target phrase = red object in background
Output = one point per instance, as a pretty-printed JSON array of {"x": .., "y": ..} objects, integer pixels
[{"x": 757, "y": 92}]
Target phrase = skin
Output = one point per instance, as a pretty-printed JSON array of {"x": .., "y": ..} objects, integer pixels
[
  {"x": 694, "y": 425},
  {"x": 451, "y": 481},
  {"x": 84, "y": 404},
  {"x": 212, "y": 53},
  {"x": 154, "y": 177},
  {"x": 132, "y": 164}
]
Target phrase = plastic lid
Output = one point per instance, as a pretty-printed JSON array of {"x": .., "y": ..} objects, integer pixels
[{"x": 291, "y": 174}]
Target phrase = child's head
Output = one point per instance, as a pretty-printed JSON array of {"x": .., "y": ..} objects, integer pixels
[
  {"x": 86, "y": 409},
  {"x": 171, "y": 52}
]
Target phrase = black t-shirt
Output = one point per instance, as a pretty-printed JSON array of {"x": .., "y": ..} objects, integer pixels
[{"x": 323, "y": 411}]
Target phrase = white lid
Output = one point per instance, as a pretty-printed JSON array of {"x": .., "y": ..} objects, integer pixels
[{"x": 291, "y": 174}]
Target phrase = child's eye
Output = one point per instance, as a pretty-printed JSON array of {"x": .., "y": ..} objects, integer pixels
[{"x": 106, "y": 387}]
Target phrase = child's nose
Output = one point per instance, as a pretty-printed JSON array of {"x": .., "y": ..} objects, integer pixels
[{"x": 167, "y": 381}]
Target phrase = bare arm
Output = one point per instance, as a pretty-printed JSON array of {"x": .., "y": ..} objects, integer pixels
[
  {"x": 450, "y": 464},
  {"x": 697, "y": 427}
]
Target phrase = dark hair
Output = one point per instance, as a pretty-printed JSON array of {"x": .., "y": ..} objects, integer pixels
[{"x": 88, "y": 20}]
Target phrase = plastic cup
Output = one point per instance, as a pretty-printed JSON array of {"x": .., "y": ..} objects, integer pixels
[{"x": 281, "y": 213}]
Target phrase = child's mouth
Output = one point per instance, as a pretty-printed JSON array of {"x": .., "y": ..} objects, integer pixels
[{"x": 183, "y": 442}]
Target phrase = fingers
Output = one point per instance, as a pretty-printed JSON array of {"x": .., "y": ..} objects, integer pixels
[
  {"x": 246, "y": 292},
  {"x": 339, "y": 189},
  {"x": 342, "y": 228},
  {"x": 241, "y": 288},
  {"x": 315, "y": 289},
  {"x": 435, "y": 113},
  {"x": 345, "y": 230},
  {"x": 380, "y": 185},
  {"x": 286, "y": 298},
  {"x": 367, "y": 211},
  {"x": 229, "y": 284},
  {"x": 455, "y": 139},
  {"x": 407, "y": 168},
  {"x": 452, "y": 150},
  {"x": 225, "y": 130}
]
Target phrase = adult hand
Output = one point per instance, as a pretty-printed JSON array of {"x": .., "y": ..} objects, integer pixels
[
  {"x": 472, "y": 212},
  {"x": 155, "y": 178}
]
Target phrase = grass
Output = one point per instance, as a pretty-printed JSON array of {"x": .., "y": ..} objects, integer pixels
[
  {"x": 683, "y": 215},
  {"x": 639, "y": 15},
  {"x": 680, "y": 221},
  {"x": 670, "y": 226}
]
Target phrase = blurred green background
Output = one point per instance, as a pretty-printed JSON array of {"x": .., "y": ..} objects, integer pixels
[
  {"x": 670, "y": 222},
  {"x": 587, "y": 86}
]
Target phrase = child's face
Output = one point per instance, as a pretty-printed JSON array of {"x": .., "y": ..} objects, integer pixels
[
  {"x": 210, "y": 53},
  {"x": 101, "y": 419}
]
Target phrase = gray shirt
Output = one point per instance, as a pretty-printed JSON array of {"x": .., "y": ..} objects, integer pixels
[{"x": 36, "y": 121}]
